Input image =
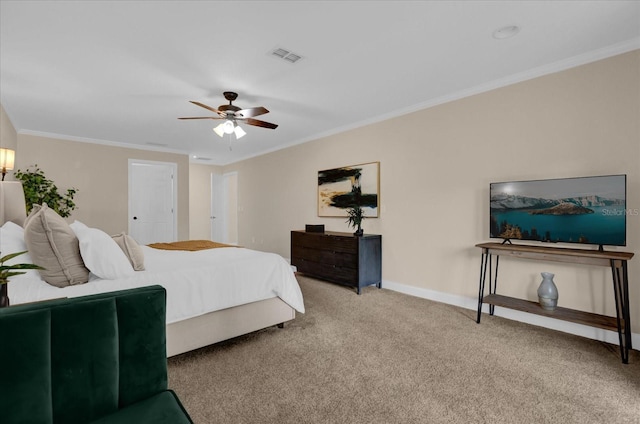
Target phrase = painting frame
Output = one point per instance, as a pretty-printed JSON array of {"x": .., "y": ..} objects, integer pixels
[{"x": 336, "y": 184}]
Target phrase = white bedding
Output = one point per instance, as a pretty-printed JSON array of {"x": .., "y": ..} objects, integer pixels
[{"x": 196, "y": 282}]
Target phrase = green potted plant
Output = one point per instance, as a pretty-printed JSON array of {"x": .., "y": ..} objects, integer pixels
[
  {"x": 7, "y": 271},
  {"x": 38, "y": 189},
  {"x": 355, "y": 215}
]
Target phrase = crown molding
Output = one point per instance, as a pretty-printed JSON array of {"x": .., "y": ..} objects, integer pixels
[{"x": 88, "y": 140}]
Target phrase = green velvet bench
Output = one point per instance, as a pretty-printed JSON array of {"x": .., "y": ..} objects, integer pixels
[{"x": 92, "y": 359}]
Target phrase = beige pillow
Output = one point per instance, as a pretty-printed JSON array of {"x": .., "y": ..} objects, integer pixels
[
  {"x": 131, "y": 249},
  {"x": 54, "y": 246}
]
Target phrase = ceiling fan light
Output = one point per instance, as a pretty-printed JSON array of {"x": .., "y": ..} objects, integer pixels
[
  {"x": 228, "y": 127},
  {"x": 219, "y": 130},
  {"x": 239, "y": 132}
]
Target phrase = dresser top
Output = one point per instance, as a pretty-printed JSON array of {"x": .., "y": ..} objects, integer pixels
[{"x": 335, "y": 234}]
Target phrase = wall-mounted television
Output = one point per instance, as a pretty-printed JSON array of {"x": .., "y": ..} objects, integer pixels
[{"x": 586, "y": 210}]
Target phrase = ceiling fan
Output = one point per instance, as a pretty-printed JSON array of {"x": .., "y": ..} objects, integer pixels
[{"x": 232, "y": 114}]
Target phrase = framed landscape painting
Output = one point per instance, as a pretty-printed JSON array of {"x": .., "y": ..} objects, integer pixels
[{"x": 342, "y": 188}]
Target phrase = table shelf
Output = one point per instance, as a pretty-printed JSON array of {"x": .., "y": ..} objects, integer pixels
[
  {"x": 566, "y": 314},
  {"x": 617, "y": 261}
]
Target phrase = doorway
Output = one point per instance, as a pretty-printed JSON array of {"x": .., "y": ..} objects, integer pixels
[
  {"x": 224, "y": 208},
  {"x": 153, "y": 201}
]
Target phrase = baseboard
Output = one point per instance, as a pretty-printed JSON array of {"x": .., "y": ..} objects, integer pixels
[{"x": 472, "y": 303}]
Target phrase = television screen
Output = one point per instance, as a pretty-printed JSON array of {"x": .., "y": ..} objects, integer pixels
[{"x": 589, "y": 210}]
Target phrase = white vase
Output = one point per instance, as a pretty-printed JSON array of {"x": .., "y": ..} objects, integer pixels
[{"x": 548, "y": 292}]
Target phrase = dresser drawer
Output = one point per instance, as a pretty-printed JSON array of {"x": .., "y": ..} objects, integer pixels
[
  {"x": 327, "y": 257},
  {"x": 334, "y": 273},
  {"x": 321, "y": 241}
]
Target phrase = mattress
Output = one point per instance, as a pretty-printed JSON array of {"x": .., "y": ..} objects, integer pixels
[{"x": 196, "y": 282}]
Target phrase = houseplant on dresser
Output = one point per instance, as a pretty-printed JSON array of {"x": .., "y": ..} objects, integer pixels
[
  {"x": 355, "y": 216},
  {"x": 7, "y": 271},
  {"x": 355, "y": 213}
]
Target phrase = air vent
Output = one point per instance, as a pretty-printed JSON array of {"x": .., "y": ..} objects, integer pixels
[
  {"x": 292, "y": 57},
  {"x": 286, "y": 55}
]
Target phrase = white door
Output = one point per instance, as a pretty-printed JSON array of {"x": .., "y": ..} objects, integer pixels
[
  {"x": 224, "y": 208},
  {"x": 231, "y": 207},
  {"x": 217, "y": 209},
  {"x": 152, "y": 201}
]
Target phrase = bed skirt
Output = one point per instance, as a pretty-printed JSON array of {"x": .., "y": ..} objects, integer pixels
[{"x": 203, "y": 330}]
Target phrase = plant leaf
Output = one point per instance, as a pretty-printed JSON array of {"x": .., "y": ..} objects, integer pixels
[
  {"x": 20, "y": 266},
  {"x": 11, "y": 274},
  {"x": 11, "y": 256}
]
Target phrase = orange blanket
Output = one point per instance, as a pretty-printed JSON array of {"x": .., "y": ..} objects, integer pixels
[{"x": 190, "y": 245}]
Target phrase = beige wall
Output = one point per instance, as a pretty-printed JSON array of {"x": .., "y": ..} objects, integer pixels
[
  {"x": 8, "y": 137},
  {"x": 100, "y": 173},
  {"x": 436, "y": 166}
]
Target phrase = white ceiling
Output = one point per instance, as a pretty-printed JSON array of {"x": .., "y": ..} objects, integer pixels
[{"x": 124, "y": 71}]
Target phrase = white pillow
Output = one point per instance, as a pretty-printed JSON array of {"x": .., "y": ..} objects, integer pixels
[
  {"x": 78, "y": 226},
  {"x": 13, "y": 228},
  {"x": 101, "y": 254},
  {"x": 12, "y": 241}
]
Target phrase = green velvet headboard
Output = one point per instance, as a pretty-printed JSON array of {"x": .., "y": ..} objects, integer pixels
[{"x": 74, "y": 360}]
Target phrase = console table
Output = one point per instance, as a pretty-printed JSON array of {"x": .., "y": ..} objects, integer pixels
[
  {"x": 339, "y": 257},
  {"x": 617, "y": 261}
]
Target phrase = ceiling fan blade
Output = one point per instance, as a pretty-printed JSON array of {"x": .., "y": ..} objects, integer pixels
[
  {"x": 202, "y": 117},
  {"x": 259, "y": 123},
  {"x": 207, "y": 107},
  {"x": 251, "y": 112}
]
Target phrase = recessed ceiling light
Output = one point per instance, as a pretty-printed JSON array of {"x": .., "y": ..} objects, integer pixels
[{"x": 506, "y": 32}]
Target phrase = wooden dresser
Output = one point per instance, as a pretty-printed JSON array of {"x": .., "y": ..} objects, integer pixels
[{"x": 338, "y": 257}]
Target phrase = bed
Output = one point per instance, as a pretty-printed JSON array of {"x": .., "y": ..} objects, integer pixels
[{"x": 212, "y": 294}]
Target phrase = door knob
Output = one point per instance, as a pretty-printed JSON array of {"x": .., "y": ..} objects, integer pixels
[{"x": 135, "y": 217}]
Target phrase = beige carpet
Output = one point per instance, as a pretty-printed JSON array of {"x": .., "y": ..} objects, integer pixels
[{"x": 385, "y": 357}]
